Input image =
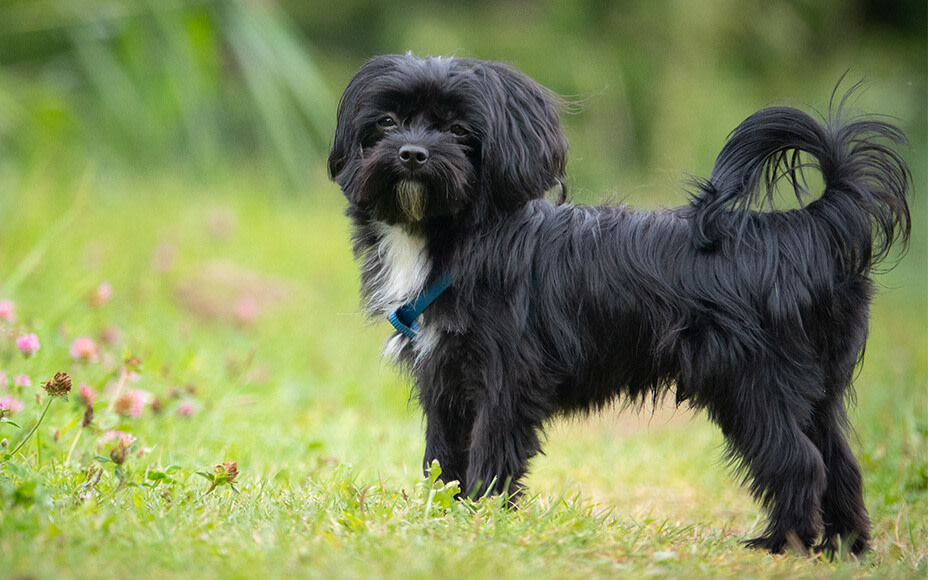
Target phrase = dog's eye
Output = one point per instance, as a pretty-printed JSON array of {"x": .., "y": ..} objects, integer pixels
[
  {"x": 459, "y": 130},
  {"x": 386, "y": 122}
]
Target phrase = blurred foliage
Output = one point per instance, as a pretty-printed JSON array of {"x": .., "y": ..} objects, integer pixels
[
  {"x": 208, "y": 86},
  {"x": 152, "y": 83}
]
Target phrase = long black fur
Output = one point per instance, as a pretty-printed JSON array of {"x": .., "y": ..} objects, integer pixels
[{"x": 757, "y": 317}]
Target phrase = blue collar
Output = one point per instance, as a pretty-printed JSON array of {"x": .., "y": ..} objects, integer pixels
[{"x": 404, "y": 318}]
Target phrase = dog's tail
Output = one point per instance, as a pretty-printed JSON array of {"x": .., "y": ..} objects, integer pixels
[{"x": 863, "y": 206}]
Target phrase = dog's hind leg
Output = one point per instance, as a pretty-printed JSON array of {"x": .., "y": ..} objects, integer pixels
[
  {"x": 843, "y": 511},
  {"x": 784, "y": 468}
]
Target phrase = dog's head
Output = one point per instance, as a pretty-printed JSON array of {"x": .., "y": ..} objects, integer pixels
[{"x": 419, "y": 139}]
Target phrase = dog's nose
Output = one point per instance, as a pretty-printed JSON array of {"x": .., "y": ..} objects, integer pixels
[{"x": 413, "y": 156}]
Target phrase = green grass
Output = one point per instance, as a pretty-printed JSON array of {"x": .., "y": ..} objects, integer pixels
[{"x": 326, "y": 440}]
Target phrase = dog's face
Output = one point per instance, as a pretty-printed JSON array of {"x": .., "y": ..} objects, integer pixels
[{"x": 420, "y": 139}]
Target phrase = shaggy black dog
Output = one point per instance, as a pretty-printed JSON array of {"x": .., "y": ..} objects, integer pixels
[{"x": 511, "y": 309}]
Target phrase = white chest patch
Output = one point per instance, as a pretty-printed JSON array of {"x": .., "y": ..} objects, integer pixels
[{"x": 400, "y": 266}]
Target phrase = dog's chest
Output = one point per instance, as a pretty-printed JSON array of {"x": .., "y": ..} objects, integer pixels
[{"x": 398, "y": 267}]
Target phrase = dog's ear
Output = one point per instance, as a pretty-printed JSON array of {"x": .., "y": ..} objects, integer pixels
[
  {"x": 345, "y": 131},
  {"x": 348, "y": 131},
  {"x": 524, "y": 151}
]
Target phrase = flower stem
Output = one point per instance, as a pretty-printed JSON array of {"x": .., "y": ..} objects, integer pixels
[
  {"x": 67, "y": 459},
  {"x": 120, "y": 387},
  {"x": 36, "y": 426}
]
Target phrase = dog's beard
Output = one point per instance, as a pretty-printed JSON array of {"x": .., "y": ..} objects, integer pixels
[{"x": 410, "y": 195}]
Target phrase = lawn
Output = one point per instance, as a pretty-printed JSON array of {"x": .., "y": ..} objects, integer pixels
[{"x": 215, "y": 323}]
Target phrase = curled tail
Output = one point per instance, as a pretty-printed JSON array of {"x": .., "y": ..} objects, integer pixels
[{"x": 863, "y": 204}]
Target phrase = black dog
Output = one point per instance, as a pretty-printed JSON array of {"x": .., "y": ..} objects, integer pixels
[{"x": 511, "y": 309}]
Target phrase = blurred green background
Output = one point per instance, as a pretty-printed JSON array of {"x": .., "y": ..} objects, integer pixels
[
  {"x": 200, "y": 89},
  {"x": 176, "y": 149}
]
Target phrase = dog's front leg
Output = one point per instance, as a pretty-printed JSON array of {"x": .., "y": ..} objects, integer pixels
[
  {"x": 446, "y": 435},
  {"x": 502, "y": 442}
]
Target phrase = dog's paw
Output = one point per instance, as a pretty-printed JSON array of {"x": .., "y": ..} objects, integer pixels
[
  {"x": 837, "y": 547},
  {"x": 778, "y": 544},
  {"x": 766, "y": 543}
]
